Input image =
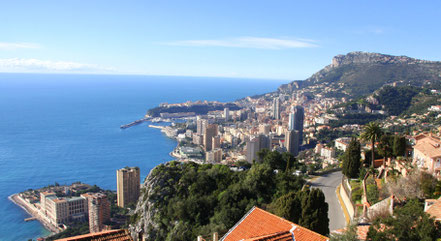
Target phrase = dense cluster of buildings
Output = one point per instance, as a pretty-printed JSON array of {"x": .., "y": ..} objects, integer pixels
[
  {"x": 61, "y": 206},
  {"x": 91, "y": 207}
]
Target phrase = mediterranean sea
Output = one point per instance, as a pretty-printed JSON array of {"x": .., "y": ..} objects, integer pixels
[{"x": 65, "y": 128}]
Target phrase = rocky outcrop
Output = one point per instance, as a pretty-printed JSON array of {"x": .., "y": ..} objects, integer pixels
[
  {"x": 373, "y": 58},
  {"x": 361, "y": 73},
  {"x": 145, "y": 223}
]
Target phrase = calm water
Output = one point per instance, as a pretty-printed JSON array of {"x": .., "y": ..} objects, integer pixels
[{"x": 65, "y": 128}]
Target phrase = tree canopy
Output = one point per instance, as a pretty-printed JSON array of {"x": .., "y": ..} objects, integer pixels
[
  {"x": 408, "y": 223},
  {"x": 372, "y": 132},
  {"x": 201, "y": 199},
  {"x": 352, "y": 159}
]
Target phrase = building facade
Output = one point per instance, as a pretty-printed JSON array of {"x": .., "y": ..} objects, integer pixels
[
  {"x": 427, "y": 154},
  {"x": 292, "y": 140},
  {"x": 209, "y": 133},
  {"x": 299, "y": 116},
  {"x": 276, "y": 108},
  {"x": 99, "y": 211},
  {"x": 128, "y": 183}
]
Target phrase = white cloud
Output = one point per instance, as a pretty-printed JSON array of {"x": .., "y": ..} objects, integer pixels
[
  {"x": 37, "y": 65},
  {"x": 13, "y": 46},
  {"x": 249, "y": 42}
]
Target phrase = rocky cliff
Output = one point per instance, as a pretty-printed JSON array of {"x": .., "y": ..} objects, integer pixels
[
  {"x": 374, "y": 58},
  {"x": 361, "y": 73},
  {"x": 145, "y": 222}
]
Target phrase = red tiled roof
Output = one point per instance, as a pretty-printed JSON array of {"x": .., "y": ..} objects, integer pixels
[
  {"x": 435, "y": 209},
  {"x": 281, "y": 236},
  {"x": 258, "y": 224},
  {"x": 109, "y": 235}
]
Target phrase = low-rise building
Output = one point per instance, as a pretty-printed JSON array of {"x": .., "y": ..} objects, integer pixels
[
  {"x": 342, "y": 143},
  {"x": 427, "y": 154}
]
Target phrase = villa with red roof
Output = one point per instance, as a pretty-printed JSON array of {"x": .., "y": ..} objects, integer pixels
[{"x": 259, "y": 224}]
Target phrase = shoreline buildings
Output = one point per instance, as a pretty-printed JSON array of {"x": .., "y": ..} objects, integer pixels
[
  {"x": 128, "y": 184},
  {"x": 62, "y": 210},
  {"x": 99, "y": 211}
]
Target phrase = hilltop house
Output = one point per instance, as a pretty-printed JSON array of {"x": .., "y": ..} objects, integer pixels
[{"x": 427, "y": 154}]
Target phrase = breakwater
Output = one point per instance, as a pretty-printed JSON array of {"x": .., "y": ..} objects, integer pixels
[{"x": 137, "y": 122}]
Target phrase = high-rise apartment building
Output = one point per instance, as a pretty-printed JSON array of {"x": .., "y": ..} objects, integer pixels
[
  {"x": 128, "y": 183},
  {"x": 99, "y": 211},
  {"x": 198, "y": 139},
  {"x": 264, "y": 129},
  {"x": 256, "y": 144},
  {"x": 227, "y": 114},
  {"x": 214, "y": 156},
  {"x": 252, "y": 147},
  {"x": 276, "y": 108},
  {"x": 299, "y": 116},
  {"x": 215, "y": 142},
  {"x": 201, "y": 124},
  {"x": 292, "y": 142},
  {"x": 209, "y": 133},
  {"x": 291, "y": 122}
]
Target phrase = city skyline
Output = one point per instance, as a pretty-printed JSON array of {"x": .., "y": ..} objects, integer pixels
[{"x": 283, "y": 40}]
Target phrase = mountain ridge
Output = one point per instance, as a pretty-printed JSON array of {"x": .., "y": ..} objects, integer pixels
[{"x": 361, "y": 73}]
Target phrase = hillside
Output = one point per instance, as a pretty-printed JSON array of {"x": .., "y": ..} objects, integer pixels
[
  {"x": 359, "y": 73},
  {"x": 180, "y": 201}
]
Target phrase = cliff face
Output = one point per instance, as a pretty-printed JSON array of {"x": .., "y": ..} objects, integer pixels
[
  {"x": 360, "y": 73},
  {"x": 145, "y": 222},
  {"x": 373, "y": 58}
]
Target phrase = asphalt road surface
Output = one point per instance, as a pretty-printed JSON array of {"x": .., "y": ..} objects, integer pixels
[{"x": 328, "y": 183}]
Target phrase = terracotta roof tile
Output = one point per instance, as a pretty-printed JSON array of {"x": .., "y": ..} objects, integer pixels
[
  {"x": 258, "y": 223},
  {"x": 435, "y": 210},
  {"x": 429, "y": 146},
  {"x": 109, "y": 235},
  {"x": 280, "y": 236}
]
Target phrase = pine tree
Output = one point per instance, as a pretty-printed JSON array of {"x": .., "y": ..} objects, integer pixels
[
  {"x": 399, "y": 146},
  {"x": 351, "y": 160},
  {"x": 288, "y": 206},
  {"x": 314, "y": 211}
]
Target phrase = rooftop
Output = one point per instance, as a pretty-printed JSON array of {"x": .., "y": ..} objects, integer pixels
[
  {"x": 109, "y": 235},
  {"x": 434, "y": 210},
  {"x": 428, "y": 145},
  {"x": 258, "y": 224}
]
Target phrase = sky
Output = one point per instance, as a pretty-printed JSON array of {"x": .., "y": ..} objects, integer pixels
[{"x": 270, "y": 39}]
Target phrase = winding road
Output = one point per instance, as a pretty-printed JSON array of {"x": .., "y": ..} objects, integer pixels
[{"x": 328, "y": 183}]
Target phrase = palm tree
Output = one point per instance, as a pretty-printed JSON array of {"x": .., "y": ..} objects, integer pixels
[{"x": 372, "y": 132}]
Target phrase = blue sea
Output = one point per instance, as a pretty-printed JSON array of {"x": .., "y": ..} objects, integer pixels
[{"x": 65, "y": 128}]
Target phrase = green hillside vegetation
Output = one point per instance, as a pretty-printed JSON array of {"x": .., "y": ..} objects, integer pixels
[
  {"x": 421, "y": 102},
  {"x": 353, "y": 78},
  {"x": 201, "y": 199},
  {"x": 363, "y": 79},
  {"x": 396, "y": 100},
  {"x": 355, "y": 118}
]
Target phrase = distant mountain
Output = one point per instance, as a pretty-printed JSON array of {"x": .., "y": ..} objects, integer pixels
[{"x": 360, "y": 73}]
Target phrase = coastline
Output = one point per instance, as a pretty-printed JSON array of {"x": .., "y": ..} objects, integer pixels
[{"x": 33, "y": 212}]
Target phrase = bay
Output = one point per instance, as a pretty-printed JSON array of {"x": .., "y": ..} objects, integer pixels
[{"x": 65, "y": 128}]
